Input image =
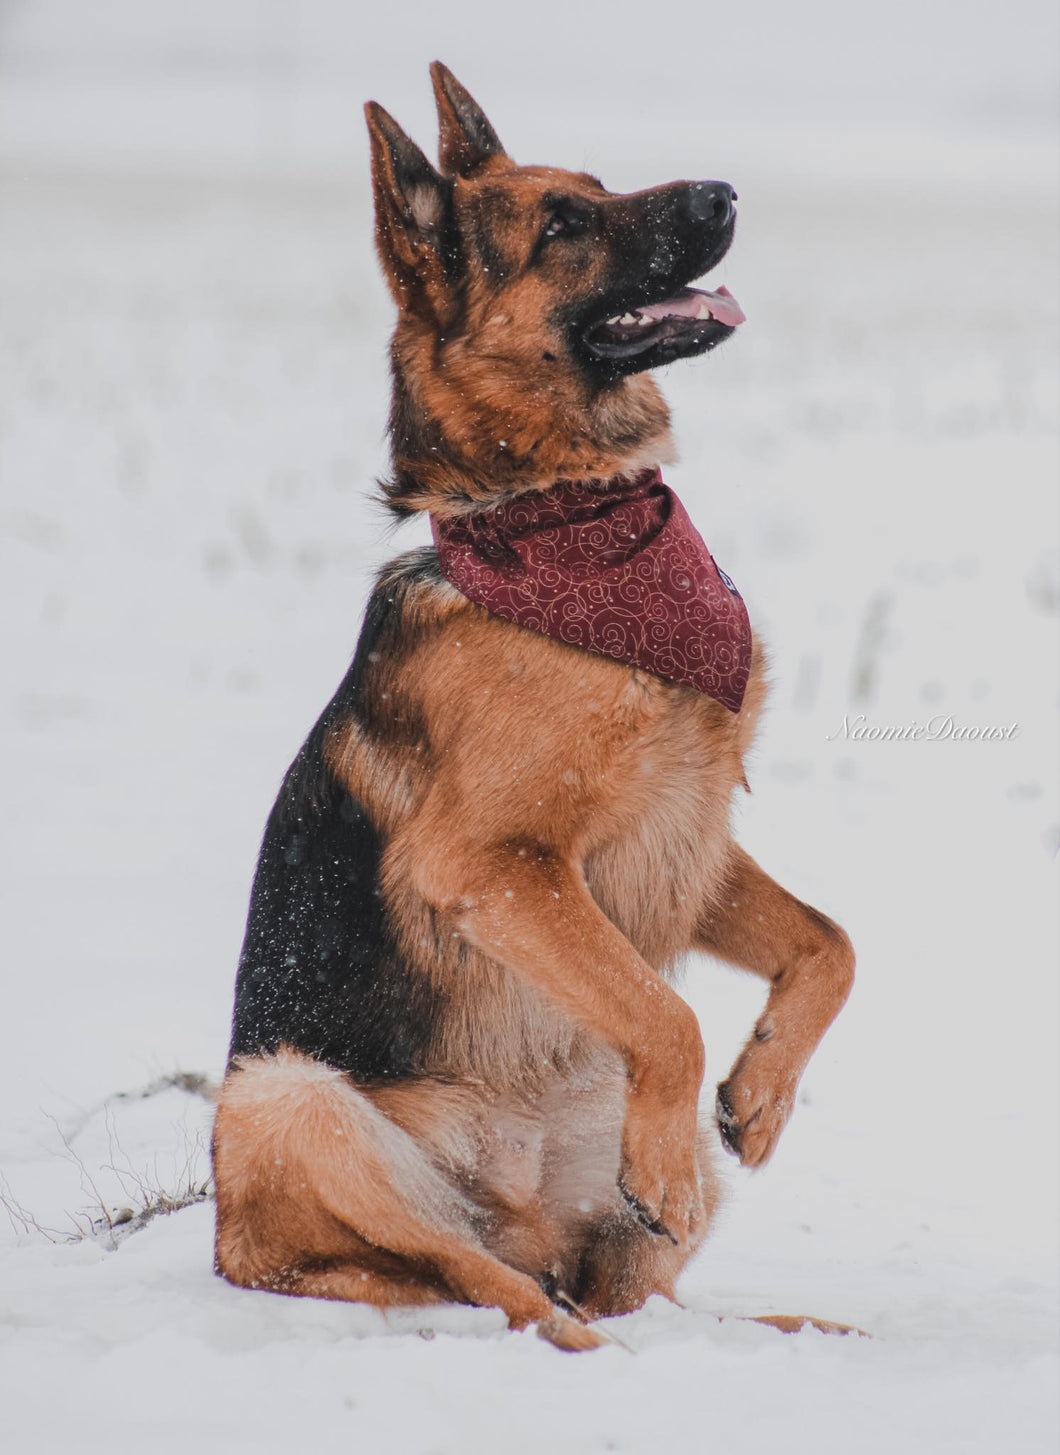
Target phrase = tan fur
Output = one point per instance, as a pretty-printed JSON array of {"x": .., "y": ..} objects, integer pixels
[
  {"x": 416, "y": 1193},
  {"x": 492, "y": 383},
  {"x": 557, "y": 836},
  {"x": 809, "y": 962},
  {"x": 489, "y": 369},
  {"x": 314, "y": 1183}
]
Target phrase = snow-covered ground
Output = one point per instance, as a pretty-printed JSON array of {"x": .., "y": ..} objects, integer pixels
[{"x": 192, "y": 395}]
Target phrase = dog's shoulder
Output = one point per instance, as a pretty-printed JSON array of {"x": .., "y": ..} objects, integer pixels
[{"x": 410, "y": 592}]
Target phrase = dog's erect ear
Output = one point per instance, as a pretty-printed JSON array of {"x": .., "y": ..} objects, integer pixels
[
  {"x": 413, "y": 222},
  {"x": 465, "y": 138}
]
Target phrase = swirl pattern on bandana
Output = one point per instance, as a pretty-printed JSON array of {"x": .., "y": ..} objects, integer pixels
[{"x": 615, "y": 567}]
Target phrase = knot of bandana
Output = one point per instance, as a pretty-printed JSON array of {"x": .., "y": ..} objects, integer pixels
[{"x": 615, "y": 567}]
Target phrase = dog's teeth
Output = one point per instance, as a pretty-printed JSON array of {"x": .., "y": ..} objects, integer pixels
[
  {"x": 704, "y": 311},
  {"x": 643, "y": 320},
  {"x": 614, "y": 320},
  {"x": 627, "y": 318}
]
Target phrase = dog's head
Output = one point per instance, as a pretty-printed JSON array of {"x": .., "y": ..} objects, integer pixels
[{"x": 529, "y": 299}]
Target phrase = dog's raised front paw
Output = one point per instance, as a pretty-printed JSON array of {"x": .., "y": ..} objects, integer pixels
[{"x": 752, "y": 1115}]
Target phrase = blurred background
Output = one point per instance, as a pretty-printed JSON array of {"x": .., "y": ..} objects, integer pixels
[{"x": 193, "y": 389}]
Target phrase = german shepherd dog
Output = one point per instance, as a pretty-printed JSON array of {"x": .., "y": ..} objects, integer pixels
[{"x": 458, "y": 1069}]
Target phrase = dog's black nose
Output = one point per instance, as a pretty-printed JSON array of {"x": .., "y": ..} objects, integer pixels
[{"x": 711, "y": 202}]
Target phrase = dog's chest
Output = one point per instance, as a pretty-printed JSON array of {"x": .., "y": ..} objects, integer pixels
[{"x": 660, "y": 841}]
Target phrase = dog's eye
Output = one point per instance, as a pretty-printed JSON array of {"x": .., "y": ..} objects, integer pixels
[{"x": 563, "y": 224}]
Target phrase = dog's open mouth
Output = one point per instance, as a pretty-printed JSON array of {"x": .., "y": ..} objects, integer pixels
[{"x": 690, "y": 321}]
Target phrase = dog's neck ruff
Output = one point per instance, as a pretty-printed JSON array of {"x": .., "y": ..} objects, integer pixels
[{"x": 612, "y": 566}]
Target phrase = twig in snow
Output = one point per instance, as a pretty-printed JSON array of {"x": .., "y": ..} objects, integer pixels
[{"x": 195, "y": 1083}]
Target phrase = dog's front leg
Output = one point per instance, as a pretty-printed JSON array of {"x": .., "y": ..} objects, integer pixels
[
  {"x": 530, "y": 909},
  {"x": 809, "y": 963}
]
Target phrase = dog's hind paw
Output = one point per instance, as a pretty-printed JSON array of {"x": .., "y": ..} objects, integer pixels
[
  {"x": 795, "y": 1323},
  {"x": 566, "y": 1333}
]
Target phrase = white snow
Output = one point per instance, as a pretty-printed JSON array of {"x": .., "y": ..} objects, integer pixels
[{"x": 192, "y": 399}]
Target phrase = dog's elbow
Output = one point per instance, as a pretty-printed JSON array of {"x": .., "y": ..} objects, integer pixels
[
  {"x": 838, "y": 955},
  {"x": 829, "y": 953},
  {"x": 436, "y": 868},
  {"x": 464, "y": 881},
  {"x": 844, "y": 964},
  {"x": 433, "y": 878}
]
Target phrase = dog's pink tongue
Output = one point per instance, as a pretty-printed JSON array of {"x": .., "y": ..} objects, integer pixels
[{"x": 698, "y": 303}]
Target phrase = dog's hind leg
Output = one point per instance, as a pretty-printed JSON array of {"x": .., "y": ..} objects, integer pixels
[
  {"x": 320, "y": 1194},
  {"x": 809, "y": 962}
]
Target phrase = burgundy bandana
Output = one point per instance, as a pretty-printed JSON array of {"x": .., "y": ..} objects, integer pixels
[{"x": 615, "y": 567}]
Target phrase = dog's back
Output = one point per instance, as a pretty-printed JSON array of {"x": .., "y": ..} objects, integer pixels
[{"x": 321, "y": 971}]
